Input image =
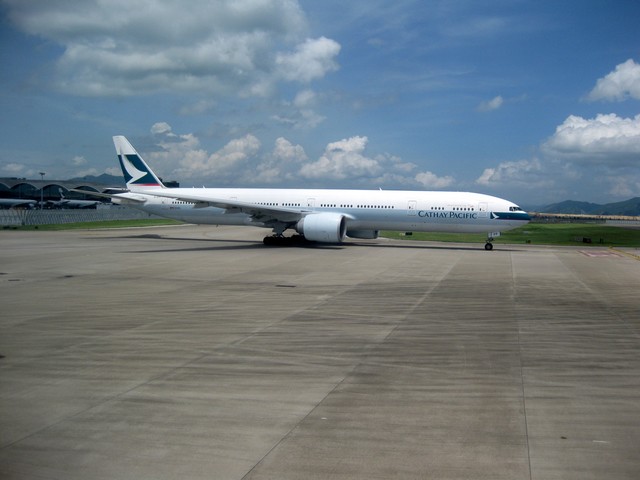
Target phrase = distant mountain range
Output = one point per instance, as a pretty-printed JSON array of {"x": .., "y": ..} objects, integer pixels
[
  {"x": 104, "y": 178},
  {"x": 628, "y": 207}
]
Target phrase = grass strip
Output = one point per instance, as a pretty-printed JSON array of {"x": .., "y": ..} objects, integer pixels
[{"x": 587, "y": 234}]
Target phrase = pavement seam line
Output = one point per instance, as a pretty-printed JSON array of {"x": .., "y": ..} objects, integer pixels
[
  {"x": 514, "y": 288},
  {"x": 357, "y": 364}
]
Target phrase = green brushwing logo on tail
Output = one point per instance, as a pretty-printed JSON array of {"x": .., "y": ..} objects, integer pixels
[{"x": 136, "y": 172}]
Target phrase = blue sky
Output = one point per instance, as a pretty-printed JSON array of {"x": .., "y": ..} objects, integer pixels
[{"x": 535, "y": 101}]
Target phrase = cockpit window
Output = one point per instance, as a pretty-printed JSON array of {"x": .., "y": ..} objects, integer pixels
[{"x": 515, "y": 209}]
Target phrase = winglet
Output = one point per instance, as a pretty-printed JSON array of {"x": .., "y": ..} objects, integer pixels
[{"x": 136, "y": 172}]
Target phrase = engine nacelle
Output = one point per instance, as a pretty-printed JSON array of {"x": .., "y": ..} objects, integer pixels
[
  {"x": 323, "y": 227},
  {"x": 365, "y": 234}
]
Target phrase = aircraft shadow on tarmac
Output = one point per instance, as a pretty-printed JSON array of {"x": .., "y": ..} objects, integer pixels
[
  {"x": 239, "y": 244},
  {"x": 256, "y": 245}
]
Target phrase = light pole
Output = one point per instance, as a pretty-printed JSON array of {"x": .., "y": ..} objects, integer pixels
[{"x": 42, "y": 174}]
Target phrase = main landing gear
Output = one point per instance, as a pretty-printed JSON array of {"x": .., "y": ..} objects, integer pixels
[{"x": 282, "y": 241}]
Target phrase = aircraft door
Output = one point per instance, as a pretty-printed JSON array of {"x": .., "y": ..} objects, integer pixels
[
  {"x": 412, "y": 207},
  {"x": 311, "y": 202},
  {"x": 483, "y": 208}
]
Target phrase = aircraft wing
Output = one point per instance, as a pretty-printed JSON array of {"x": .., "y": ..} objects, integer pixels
[
  {"x": 125, "y": 197},
  {"x": 260, "y": 213}
]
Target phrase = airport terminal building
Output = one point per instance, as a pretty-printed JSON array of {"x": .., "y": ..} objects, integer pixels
[
  {"x": 53, "y": 190},
  {"x": 40, "y": 202}
]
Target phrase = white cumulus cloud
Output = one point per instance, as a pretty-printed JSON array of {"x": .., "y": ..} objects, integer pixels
[
  {"x": 624, "y": 186},
  {"x": 161, "y": 128},
  {"x": 622, "y": 83},
  {"x": 493, "y": 104},
  {"x": 181, "y": 157},
  {"x": 305, "y": 98},
  {"x": 222, "y": 164},
  {"x": 341, "y": 160},
  {"x": 287, "y": 152},
  {"x": 431, "y": 180},
  {"x": 243, "y": 162},
  {"x": 282, "y": 164},
  {"x": 122, "y": 47},
  {"x": 519, "y": 172},
  {"x": 12, "y": 169},
  {"x": 607, "y": 139},
  {"x": 299, "y": 114},
  {"x": 312, "y": 59}
]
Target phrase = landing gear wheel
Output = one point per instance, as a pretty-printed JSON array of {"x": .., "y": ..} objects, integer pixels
[
  {"x": 282, "y": 241},
  {"x": 488, "y": 246},
  {"x": 270, "y": 241}
]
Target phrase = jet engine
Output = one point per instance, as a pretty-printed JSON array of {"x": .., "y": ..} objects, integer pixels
[{"x": 323, "y": 227}]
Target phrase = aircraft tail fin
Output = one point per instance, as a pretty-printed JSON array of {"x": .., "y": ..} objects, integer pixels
[{"x": 136, "y": 172}]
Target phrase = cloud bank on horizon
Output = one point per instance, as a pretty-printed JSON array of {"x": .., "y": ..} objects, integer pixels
[{"x": 308, "y": 94}]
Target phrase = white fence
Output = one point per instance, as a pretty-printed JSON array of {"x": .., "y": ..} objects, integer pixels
[
  {"x": 624, "y": 223},
  {"x": 44, "y": 217}
]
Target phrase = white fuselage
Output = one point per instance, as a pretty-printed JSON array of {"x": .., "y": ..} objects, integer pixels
[{"x": 364, "y": 210}]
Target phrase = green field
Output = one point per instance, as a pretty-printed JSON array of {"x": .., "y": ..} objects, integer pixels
[
  {"x": 533, "y": 233},
  {"x": 542, "y": 234}
]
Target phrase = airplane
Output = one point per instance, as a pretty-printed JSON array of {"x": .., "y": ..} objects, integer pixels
[
  {"x": 17, "y": 203},
  {"x": 71, "y": 203},
  {"x": 316, "y": 215}
]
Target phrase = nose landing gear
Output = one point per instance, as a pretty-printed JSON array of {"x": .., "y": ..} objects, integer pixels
[{"x": 489, "y": 246}]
